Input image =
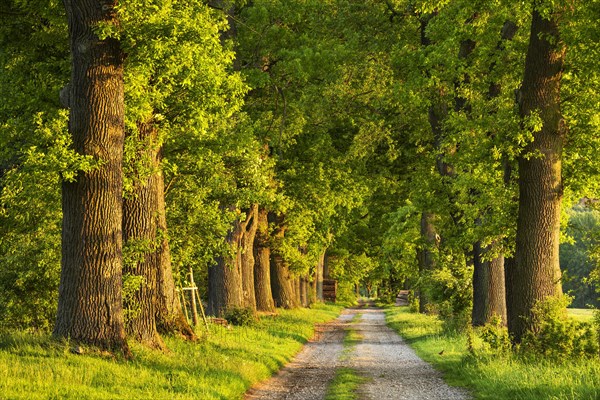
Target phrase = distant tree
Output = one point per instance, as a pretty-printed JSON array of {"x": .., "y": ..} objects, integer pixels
[{"x": 262, "y": 265}]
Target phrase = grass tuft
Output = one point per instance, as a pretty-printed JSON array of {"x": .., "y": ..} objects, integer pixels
[{"x": 344, "y": 385}]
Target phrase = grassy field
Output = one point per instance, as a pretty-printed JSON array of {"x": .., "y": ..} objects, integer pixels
[
  {"x": 581, "y": 314},
  {"x": 495, "y": 377},
  {"x": 222, "y": 365}
]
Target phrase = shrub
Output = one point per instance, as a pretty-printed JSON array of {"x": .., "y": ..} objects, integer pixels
[
  {"x": 455, "y": 320},
  {"x": 555, "y": 335},
  {"x": 495, "y": 336},
  {"x": 240, "y": 316},
  {"x": 345, "y": 293},
  {"x": 413, "y": 302}
]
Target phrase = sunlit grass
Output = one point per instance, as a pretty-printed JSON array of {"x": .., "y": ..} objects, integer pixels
[
  {"x": 352, "y": 337},
  {"x": 222, "y": 365},
  {"x": 495, "y": 376},
  {"x": 344, "y": 385},
  {"x": 581, "y": 314}
]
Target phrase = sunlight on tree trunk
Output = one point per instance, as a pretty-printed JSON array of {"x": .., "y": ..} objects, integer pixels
[
  {"x": 536, "y": 274},
  {"x": 90, "y": 299}
]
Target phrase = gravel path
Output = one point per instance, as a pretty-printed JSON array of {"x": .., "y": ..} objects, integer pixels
[
  {"x": 307, "y": 377},
  {"x": 393, "y": 369}
]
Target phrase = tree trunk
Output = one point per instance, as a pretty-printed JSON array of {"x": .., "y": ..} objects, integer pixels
[
  {"x": 297, "y": 291},
  {"x": 90, "y": 298},
  {"x": 225, "y": 278},
  {"x": 140, "y": 235},
  {"x": 282, "y": 283},
  {"x": 489, "y": 287},
  {"x": 537, "y": 270},
  {"x": 437, "y": 112},
  {"x": 489, "y": 299},
  {"x": 170, "y": 318},
  {"x": 262, "y": 266},
  {"x": 281, "y": 279},
  {"x": 319, "y": 276},
  {"x": 496, "y": 289},
  {"x": 304, "y": 285},
  {"x": 154, "y": 306},
  {"x": 248, "y": 260},
  {"x": 426, "y": 258},
  {"x": 312, "y": 295}
]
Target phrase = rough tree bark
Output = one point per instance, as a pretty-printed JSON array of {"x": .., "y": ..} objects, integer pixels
[
  {"x": 282, "y": 282},
  {"x": 248, "y": 260},
  {"x": 140, "y": 230},
  {"x": 262, "y": 265},
  {"x": 297, "y": 289},
  {"x": 536, "y": 273},
  {"x": 225, "y": 278},
  {"x": 90, "y": 298},
  {"x": 488, "y": 288},
  {"x": 281, "y": 278},
  {"x": 155, "y": 305},
  {"x": 170, "y": 318},
  {"x": 304, "y": 291}
]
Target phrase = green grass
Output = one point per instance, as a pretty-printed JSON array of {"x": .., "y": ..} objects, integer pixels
[
  {"x": 344, "y": 385},
  {"x": 495, "y": 377},
  {"x": 222, "y": 365},
  {"x": 346, "y": 382},
  {"x": 581, "y": 314},
  {"x": 352, "y": 337}
]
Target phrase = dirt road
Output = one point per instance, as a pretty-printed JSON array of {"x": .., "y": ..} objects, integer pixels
[{"x": 392, "y": 369}]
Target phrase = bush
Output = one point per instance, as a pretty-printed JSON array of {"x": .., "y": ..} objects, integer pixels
[
  {"x": 555, "y": 335},
  {"x": 495, "y": 336},
  {"x": 413, "y": 302},
  {"x": 455, "y": 320},
  {"x": 240, "y": 316}
]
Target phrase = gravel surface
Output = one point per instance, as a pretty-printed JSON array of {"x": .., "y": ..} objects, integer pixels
[
  {"x": 393, "y": 369},
  {"x": 309, "y": 374}
]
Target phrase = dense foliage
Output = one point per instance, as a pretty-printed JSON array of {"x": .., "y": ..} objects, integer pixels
[{"x": 354, "y": 123}]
